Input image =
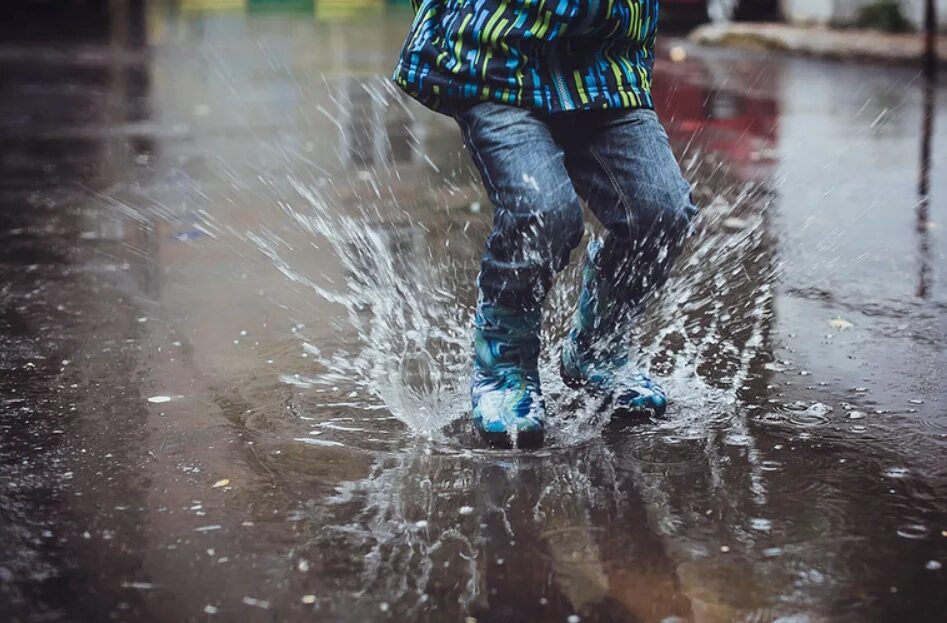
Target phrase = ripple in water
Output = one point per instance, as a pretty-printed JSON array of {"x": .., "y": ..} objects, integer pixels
[
  {"x": 914, "y": 531},
  {"x": 896, "y": 472},
  {"x": 814, "y": 415}
]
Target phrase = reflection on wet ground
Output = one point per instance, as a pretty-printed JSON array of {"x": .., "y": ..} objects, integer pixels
[{"x": 237, "y": 278}]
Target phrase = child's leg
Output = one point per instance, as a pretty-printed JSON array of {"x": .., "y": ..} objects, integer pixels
[
  {"x": 537, "y": 219},
  {"x": 622, "y": 162},
  {"x": 536, "y": 223},
  {"x": 623, "y": 165}
]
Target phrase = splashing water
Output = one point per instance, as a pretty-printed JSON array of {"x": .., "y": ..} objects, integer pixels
[
  {"x": 408, "y": 308},
  {"x": 411, "y": 350}
]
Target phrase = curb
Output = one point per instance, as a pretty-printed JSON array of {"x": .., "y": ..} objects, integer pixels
[{"x": 860, "y": 45}]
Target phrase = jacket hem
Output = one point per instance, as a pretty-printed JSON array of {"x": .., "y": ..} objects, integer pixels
[{"x": 445, "y": 96}]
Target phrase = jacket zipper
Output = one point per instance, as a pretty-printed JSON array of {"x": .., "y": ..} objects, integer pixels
[
  {"x": 557, "y": 74},
  {"x": 557, "y": 78}
]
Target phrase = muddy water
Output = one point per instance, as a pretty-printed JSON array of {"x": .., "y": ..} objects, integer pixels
[{"x": 237, "y": 285}]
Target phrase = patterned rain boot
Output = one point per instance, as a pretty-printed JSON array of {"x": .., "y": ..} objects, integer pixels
[
  {"x": 595, "y": 353},
  {"x": 508, "y": 407}
]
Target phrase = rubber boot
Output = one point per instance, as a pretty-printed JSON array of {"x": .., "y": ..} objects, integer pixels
[
  {"x": 595, "y": 355},
  {"x": 508, "y": 408}
]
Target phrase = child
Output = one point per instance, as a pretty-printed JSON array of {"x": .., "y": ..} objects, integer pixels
[{"x": 553, "y": 98}]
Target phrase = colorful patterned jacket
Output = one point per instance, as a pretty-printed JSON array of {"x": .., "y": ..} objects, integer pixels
[{"x": 550, "y": 55}]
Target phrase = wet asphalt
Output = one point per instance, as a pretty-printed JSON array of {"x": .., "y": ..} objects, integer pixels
[{"x": 182, "y": 433}]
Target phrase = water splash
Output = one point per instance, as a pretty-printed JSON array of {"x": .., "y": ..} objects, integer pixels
[
  {"x": 411, "y": 328},
  {"x": 407, "y": 307}
]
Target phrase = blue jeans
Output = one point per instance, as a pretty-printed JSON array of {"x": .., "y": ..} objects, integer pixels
[{"x": 535, "y": 167}]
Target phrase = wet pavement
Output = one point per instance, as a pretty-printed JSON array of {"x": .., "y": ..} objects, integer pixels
[{"x": 236, "y": 277}]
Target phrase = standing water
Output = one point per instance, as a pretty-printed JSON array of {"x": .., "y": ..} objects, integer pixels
[{"x": 239, "y": 389}]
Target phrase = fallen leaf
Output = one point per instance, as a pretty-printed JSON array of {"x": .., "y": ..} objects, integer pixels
[
  {"x": 841, "y": 324},
  {"x": 144, "y": 586},
  {"x": 256, "y": 603}
]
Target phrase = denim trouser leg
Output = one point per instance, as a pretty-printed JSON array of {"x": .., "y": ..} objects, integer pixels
[
  {"x": 537, "y": 219},
  {"x": 535, "y": 166},
  {"x": 621, "y": 162}
]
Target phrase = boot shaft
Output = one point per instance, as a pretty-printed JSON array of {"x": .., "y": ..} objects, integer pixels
[
  {"x": 605, "y": 316},
  {"x": 507, "y": 337}
]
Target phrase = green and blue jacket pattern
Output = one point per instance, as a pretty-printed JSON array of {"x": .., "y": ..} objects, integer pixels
[{"x": 547, "y": 55}]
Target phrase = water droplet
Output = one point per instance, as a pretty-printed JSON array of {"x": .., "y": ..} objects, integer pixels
[
  {"x": 733, "y": 223},
  {"x": 319, "y": 442},
  {"x": 573, "y": 618},
  {"x": 933, "y": 565}
]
